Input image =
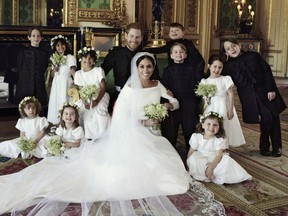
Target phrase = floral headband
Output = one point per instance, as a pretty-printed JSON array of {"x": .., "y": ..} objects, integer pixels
[
  {"x": 68, "y": 105},
  {"x": 58, "y": 37},
  {"x": 211, "y": 113},
  {"x": 82, "y": 52},
  {"x": 23, "y": 102}
]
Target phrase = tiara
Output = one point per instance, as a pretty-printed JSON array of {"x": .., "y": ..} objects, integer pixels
[
  {"x": 68, "y": 105},
  {"x": 24, "y": 101},
  {"x": 211, "y": 113},
  {"x": 57, "y": 37},
  {"x": 86, "y": 50}
]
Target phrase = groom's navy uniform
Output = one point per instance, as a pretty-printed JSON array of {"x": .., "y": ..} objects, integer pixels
[{"x": 119, "y": 59}]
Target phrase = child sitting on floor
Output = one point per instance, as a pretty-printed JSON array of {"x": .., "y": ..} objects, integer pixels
[
  {"x": 207, "y": 160},
  {"x": 32, "y": 129}
]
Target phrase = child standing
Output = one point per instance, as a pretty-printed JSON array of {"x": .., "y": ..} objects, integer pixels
[
  {"x": 206, "y": 158},
  {"x": 176, "y": 34},
  {"x": 259, "y": 96},
  {"x": 94, "y": 113},
  {"x": 32, "y": 62},
  {"x": 182, "y": 79},
  {"x": 223, "y": 101},
  {"x": 69, "y": 129},
  {"x": 61, "y": 71},
  {"x": 31, "y": 126}
]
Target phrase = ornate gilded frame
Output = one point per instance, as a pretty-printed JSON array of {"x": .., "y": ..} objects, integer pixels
[{"x": 115, "y": 16}]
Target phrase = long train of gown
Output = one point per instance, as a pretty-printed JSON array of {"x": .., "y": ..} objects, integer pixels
[{"x": 130, "y": 163}]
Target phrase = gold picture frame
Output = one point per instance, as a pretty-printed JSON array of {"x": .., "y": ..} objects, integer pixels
[{"x": 74, "y": 12}]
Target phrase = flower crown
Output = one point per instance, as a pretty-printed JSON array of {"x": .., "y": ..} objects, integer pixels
[
  {"x": 211, "y": 113},
  {"x": 68, "y": 105},
  {"x": 57, "y": 37},
  {"x": 86, "y": 50},
  {"x": 24, "y": 101}
]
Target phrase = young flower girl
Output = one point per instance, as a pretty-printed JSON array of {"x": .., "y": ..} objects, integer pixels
[
  {"x": 32, "y": 132},
  {"x": 94, "y": 99},
  {"x": 223, "y": 101},
  {"x": 206, "y": 158},
  {"x": 63, "y": 66},
  {"x": 69, "y": 129}
]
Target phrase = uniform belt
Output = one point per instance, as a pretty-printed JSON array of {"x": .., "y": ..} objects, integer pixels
[{"x": 118, "y": 88}]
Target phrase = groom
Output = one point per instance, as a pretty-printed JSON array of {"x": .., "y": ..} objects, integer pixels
[{"x": 119, "y": 58}]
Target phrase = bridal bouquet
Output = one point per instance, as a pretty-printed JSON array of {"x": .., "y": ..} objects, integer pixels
[
  {"x": 26, "y": 146},
  {"x": 89, "y": 93},
  {"x": 58, "y": 59},
  {"x": 157, "y": 112},
  {"x": 55, "y": 146},
  {"x": 206, "y": 91}
]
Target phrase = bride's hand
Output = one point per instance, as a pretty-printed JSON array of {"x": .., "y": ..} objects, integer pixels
[
  {"x": 150, "y": 122},
  {"x": 168, "y": 106}
]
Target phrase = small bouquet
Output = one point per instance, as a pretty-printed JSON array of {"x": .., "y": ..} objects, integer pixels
[
  {"x": 157, "y": 112},
  {"x": 89, "y": 93},
  {"x": 27, "y": 146},
  {"x": 55, "y": 146},
  {"x": 58, "y": 59},
  {"x": 206, "y": 91}
]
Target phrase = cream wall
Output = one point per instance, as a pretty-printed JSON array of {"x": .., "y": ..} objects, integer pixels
[
  {"x": 273, "y": 28},
  {"x": 275, "y": 31}
]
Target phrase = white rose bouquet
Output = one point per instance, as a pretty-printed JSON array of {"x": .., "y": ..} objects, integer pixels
[
  {"x": 55, "y": 146},
  {"x": 157, "y": 112},
  {"x": 89, "y": 93},
  {"x": 58, "y": 59},
  {"x": 27, "y": 146},
  {"x": 206, "y": 91}
]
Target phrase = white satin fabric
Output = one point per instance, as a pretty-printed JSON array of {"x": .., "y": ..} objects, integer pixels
[{"x": 129, "y": 168}]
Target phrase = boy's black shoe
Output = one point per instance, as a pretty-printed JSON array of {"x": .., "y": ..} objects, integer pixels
[
  {"x": 277, "y": 153},
  {"x": 266, "y": 153}
]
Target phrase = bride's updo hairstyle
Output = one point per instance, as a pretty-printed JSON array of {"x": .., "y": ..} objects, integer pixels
[{"x": 148, "y": 57}]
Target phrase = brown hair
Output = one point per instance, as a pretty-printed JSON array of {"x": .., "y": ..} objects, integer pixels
[
  {"x": 34, "y": 28},
  {"x": 177, "y": 25},
  {"x": 212, "y": 58},
  {"x": 27, "y": 100},
  {"x": 134, "y": 26},
  {"x": 62, "y": 41},
  {"x": 61, "y": 111},
  {"x": 232, "y": 40},
  {"x": 211, "y": 115}
]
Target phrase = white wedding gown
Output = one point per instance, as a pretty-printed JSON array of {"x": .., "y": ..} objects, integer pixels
[{"x": 128, "y": 163}]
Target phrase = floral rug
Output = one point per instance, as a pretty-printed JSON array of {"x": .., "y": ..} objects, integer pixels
[{"x": 182, "y": 201}]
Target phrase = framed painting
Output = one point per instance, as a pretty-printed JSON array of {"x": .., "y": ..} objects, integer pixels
[{"x": 105, "y": 11}]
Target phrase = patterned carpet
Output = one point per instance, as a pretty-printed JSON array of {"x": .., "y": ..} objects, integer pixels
[{"x": 266, "y": 194}]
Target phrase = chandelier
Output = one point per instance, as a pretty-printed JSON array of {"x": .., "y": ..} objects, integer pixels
[{"x": 245, "y": 15}]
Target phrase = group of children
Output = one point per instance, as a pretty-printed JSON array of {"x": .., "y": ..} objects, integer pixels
[
  {"x": 93, "y": 116},
  {"x": 206, "y": 141}
]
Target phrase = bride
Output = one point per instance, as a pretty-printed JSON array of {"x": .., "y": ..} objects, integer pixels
[{"x": 129, "y": 168}]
